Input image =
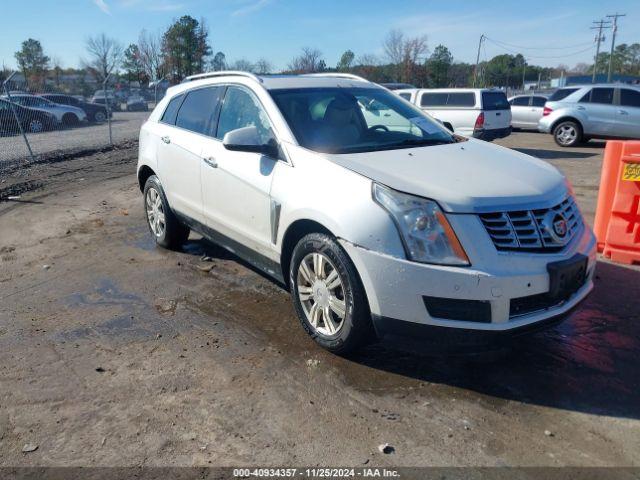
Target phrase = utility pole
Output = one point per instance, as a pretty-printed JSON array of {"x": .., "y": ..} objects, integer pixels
[
  {"x": 599, "y": 25},
  {"x": 613, "y": 39},
  {"x": 524, "y": 71},
  {"x": 475, "y": 72}
]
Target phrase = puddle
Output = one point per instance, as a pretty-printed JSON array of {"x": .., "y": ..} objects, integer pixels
[{"x": 105, "y": 293}]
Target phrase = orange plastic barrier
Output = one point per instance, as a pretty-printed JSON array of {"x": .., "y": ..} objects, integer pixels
[{"x": 617, "y": 223}]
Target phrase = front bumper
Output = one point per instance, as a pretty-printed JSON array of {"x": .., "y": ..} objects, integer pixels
[
  {"x": 398, "y": 289},
  {"x": 492, "y": 134}
]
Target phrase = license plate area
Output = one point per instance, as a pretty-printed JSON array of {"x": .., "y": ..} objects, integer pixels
[{"x": 567, "y": 276}]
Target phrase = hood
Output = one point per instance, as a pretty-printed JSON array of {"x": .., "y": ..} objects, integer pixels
[{"x": 466, "y": 177}]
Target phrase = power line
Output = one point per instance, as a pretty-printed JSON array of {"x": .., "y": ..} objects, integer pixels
[
  {"x": 541, "y": 56},
  {"x": 538, "y": 48}
]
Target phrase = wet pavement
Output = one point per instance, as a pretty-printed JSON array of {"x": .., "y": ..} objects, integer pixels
[{"x": 115, "y": 352}]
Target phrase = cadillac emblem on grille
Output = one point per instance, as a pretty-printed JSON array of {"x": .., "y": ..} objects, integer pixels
[{"x": 556, "y": 226}]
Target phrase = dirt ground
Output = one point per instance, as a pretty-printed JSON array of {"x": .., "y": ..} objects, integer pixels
[{"x": 115, "y": 352}]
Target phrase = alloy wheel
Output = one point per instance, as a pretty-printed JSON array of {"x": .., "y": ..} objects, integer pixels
[
  {"x": 36, "y": 126},
  {"x": 566, "y": 134},
  {"x": 321, "y": 293},
  {"x": 155, "y": 212}
]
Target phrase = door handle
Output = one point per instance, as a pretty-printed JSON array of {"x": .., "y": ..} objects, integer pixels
[
  {"x": 580, "y": 108},
  {"x": 623, "y": 112},
  {"x": 211, "y": 162},
  {"x": 166, "y": 139}
]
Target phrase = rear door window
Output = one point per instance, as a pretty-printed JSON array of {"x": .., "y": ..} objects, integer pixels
[
  {"x": 198, "y": 111},
  {"x": 599, "y": 95},
  {"x": 171, "y": 112},
  {"x": 433, "y": 99},
  {"x": 538, "y": 101},
  {"x": 494, "y": 101},
  {"x": 629, "y": 98},
  {"x": 562, "y": 94},
  {"x": 520, "y": 102}
]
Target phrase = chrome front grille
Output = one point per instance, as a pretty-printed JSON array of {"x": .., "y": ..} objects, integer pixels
[{"x": 534, "y": 230}]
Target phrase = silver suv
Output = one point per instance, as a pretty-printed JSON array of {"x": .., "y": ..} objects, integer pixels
[{"x": 576, "y": 114}]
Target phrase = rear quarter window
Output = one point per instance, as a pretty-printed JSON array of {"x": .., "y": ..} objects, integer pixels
[
  {"x": 562, "y": 94},
  {"x": 467, "y": 99},
  {"x": 171, "y": 112},
  {"x": 406, "y": 96},
  {"x": 538, "y": 101},
  {"x": 495, "y": 101},
  {"x": 433, "y": 99}
]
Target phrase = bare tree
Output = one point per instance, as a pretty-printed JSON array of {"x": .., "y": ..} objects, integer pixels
[
  {"x": 393, "y": 46},
  {"x": 368, "y": 59},
  {"x": 262, "y": 66},
  {"x": 104, "y": 55},
  {"x": 151, "y": 55},
  {"x": 405, "y": 53},
  {"x": 242, "y": 65},
  {"x": 310, "y": 60}
]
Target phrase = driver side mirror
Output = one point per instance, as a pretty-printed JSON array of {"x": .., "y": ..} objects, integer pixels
[{"x": 246, "y": 139}]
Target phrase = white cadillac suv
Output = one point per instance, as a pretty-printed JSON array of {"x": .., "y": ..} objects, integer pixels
[{"x": 400, "y": 231}]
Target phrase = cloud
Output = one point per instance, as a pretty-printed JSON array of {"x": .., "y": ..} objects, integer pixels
[
  {"x": 152, "y": 5},
  {"x": 102, "y": 5},
  {"x": 250, "y": 8}
]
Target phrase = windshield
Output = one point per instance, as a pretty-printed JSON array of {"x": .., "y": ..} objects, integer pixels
[{"x": 350, "y": 120}]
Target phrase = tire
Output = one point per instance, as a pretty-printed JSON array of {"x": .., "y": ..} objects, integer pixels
[
  {"x": 165, "y": 227},
  {"x": 567, "y": 133},
  {"x": 70, "y": 120},
  {"x": 316, "y": 296},
  {"x": 99, "y": 116}
]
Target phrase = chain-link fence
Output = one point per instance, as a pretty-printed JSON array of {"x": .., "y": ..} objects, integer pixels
[{"x": 67, "y": 115}]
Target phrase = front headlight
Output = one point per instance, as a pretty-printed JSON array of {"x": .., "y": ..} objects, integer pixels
[{"x": 425, "y": 231}]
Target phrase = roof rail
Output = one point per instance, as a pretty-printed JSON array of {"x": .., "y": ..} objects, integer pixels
[
  {"x": 222, "y": 73},
  {"x": 336, "y": 75}
]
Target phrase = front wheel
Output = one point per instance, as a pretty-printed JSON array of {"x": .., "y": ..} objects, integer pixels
[
  {"x": 567, "y": 134},
  {"x": 328, "y": 295},
  {"x": 163, "y": 224}
]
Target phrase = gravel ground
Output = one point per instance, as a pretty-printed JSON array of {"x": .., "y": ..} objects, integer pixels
[{"x": 115, "y": 352}]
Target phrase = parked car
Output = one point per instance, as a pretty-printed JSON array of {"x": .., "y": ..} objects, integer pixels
[
  {"x": 136, "y": 103},
  {"x": 65, "y": 114},
  {"x": 526, "y": 111},
  {"x": 94, "y": 111},
  {"x": 99, "y": 97},
  {"x": 474, "y": 112},
  {"x": 32, "y": 120},
  {"x": 412, "y": 233},
  {"x": 576, "y": 114}
]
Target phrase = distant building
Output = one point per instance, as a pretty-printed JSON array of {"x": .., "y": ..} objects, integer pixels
[{"x": 586, "y": 79}]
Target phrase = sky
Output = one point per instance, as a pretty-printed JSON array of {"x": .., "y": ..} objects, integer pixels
[{"x": 552, "y": 31}]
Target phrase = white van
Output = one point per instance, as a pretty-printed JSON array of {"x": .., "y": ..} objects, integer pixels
[{"x": 479, "y": 112}]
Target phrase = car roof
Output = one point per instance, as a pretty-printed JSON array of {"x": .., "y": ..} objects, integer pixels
[{"x": 285, "y": 81}]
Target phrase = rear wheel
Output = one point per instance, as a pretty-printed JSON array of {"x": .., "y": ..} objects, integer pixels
[
  {"x": 70, "y": 120},
  {"x": 99, "y": 116},
  {"x": 163, "y": 224},
  {"x": 567, "y": 134},
  {"x": 328, "y": 295}
]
